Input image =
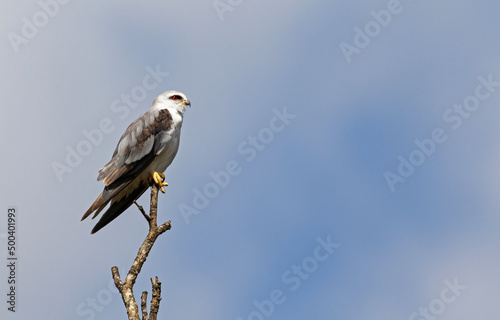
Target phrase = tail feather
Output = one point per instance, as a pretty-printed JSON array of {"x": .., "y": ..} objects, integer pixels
[
  {"x": 99, "y": 210},
  {"x": 116, "y": 208},
  {"x": 104, "y": 198},
  {"x": 98, "y": 205}
]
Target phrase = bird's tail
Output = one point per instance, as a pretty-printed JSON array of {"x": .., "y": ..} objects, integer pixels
[
  {"x": 98, "y": 205},
  {"x": 117, "y": 207}
]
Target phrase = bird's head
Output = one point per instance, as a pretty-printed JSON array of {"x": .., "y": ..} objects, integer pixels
[{"x": 173, "y": 100}]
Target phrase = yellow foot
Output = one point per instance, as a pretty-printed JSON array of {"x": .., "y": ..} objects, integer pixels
[{"x": 158, "y": 178}]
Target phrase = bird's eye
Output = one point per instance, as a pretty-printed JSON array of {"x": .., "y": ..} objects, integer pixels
[{"x": 175, "y": 98}]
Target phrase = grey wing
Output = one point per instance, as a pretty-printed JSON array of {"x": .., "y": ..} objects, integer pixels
[{"x": 135, "y": 145}]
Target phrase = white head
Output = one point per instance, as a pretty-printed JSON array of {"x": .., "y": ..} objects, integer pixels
[{"x": 172, "y": 100}]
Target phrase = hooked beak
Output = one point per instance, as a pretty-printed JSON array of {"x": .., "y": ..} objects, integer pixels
[{"x": 187, "y": 103}]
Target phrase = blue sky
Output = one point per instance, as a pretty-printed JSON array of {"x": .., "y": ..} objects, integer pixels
[{"x": 429, "y": 244}]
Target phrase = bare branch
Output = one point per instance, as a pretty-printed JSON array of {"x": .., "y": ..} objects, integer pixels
[
  {"x": 125, "y": 287},
  {"x": 155, "y": 299},
  {"x": 141, "y": 209},
  {"x": 144, "y": 306},
  {"x": 116, "y": 278}
]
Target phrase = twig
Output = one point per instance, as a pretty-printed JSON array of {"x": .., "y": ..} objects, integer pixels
[
  {"x": 141, "y": 209},
  {"x": 125, "y": 287},
  {"x": 156, "y": 298},
  {"x": 144, "y": 306}
]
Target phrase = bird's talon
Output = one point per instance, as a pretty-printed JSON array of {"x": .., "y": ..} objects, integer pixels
[
  {"x": 158, "y": 180},
  {"x": 162, "y": 186}
]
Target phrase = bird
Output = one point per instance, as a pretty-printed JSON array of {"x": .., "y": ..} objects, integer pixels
[{"x": 145, "y": 150}]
